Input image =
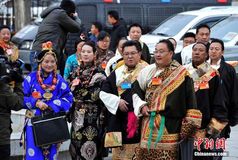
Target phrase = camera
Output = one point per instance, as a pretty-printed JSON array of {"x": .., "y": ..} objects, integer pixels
[{"x": 10, "y": 71}]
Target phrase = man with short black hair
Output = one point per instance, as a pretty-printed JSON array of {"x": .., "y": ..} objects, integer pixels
[
  {"x": 209, "y": 96},
  {"x": 118, "y": 31},
  {"x": 134, "y": 33},
  {"x": 164, "y": 99},
  {"x": 202, "y": 35},
  {"x": 188, "y": 38},
  {"x": 116, "y": 95},
  {"x": 229, "y": 82},
  {"x": 96, "y": 28}
]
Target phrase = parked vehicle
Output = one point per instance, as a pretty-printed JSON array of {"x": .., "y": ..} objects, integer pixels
[
  {"x": 227, "y": 31},
  {"x": 177, "y": 25},
  {"x": 231, "y": 54}
]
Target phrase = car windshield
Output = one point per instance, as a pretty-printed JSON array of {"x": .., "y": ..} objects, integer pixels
[
  {"x": 225, "y": 30},
  {"x": 173, "y": 25}
]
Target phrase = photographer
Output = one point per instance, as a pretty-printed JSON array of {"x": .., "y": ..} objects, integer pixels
[
  {"x": 11, "y": 98},
  {"x": 57, "y": 22}
]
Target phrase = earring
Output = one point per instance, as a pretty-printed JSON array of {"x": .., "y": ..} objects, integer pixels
[
  {"x": 39, "y": 67},
  {"x": 55, "y": 69}
]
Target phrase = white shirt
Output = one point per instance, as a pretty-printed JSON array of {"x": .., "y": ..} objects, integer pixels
[
  {"x": 111, "y": 62},
  {"x": 186, "y": 54},
  {"x": 215, "y": 66}
]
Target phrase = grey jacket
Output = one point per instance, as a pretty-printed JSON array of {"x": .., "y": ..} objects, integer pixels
[
  {"x": 9, "y": 100},
  {"x": 54, "y": 27}
]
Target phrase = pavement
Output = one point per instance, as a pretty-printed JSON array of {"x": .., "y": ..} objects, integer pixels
[{"x": 232, "y": 145}]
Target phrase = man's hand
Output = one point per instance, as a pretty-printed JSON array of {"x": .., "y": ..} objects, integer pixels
[
  {"x": 75, "y": 14},
  {"x": 123, "y": 105},
  {"x": 144, "y": 111},
  {"x": 41, "y": 105}
]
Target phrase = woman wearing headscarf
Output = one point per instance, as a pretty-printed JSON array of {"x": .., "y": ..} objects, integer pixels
[
  {"x": 44, "y": 91},
  {"x": 86, "y": 130}
]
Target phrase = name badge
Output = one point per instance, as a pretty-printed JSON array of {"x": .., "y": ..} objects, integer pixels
[
  {"x": 156, "y": 81},
  {"x": 114, "y": 66},
  {"x": 125, "y": 86},
  {"x": 103, "y": 65},
  {"x": 204, "y": 85}
]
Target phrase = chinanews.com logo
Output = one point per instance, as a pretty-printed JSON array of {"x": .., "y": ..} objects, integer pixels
[
  {"x": 210, "y": 147},
  {"x": 212, "y": 154}
]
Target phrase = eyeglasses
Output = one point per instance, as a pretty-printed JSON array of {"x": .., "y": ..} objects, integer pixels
[
  {"x": 162, "y": 52},
  {"x": 126, "y": 54}
]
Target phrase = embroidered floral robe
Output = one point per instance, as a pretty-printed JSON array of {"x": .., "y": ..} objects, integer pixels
[
  {"x": 86, "y": 124},
  {"x": 102, "y": 57},
  {"x": 61, "y": 101}
]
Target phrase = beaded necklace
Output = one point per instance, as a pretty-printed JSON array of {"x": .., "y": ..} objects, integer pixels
[{"x": 48, "y": 88}]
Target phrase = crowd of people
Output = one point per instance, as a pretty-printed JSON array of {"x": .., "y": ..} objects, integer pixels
[{"x": 115, "y": 94}]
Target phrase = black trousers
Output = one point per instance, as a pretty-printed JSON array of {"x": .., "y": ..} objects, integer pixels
[{"x": 5, "y": 152}]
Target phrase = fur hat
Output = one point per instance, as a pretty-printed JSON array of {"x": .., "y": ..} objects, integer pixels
[{"x": 68, "y": 6}]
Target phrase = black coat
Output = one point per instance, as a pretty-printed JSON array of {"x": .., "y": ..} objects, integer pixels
[
  {"x": 230, "y": 90},
  {"x": 8, "y": 101},
  {"x": 118, "y": 31},
  {"x": 55, "y": 26},
  {"x": 210, "y": 102},
  {"x": 177, "y": 57},
  {"x": 145, "y": 55}
]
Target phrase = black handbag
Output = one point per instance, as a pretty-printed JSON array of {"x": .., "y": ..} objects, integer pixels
[{"x": 50, "y": 129}]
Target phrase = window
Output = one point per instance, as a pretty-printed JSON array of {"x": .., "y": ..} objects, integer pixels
[
  {"x": 210, "y": 21},
  {"x": 173, "y": 25},
  {"x": 226, "y": 30}
]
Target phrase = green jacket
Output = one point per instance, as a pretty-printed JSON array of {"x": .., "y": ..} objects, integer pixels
[{"x": 9, "y": 100}]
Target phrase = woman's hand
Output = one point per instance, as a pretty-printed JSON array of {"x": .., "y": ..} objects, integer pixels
[{"x": 41, "y": 105}]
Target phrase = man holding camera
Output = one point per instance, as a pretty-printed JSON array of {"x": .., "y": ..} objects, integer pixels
[
  {"x": 57, "y": 22},
  {"x": 11, "y": 98}
]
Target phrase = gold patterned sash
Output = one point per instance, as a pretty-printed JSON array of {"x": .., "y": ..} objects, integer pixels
[
  {"x": 202, "y": 75},
  {"x": 204, "y": 79},
  {"x": 158, "y": 94}
]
